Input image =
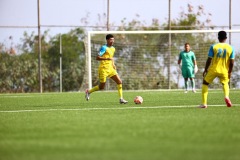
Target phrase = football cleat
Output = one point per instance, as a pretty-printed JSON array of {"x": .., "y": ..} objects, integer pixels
[
  {"x": 202, "y": 106},
  {"x": 194, "y": 91},
  {"x": 228, "y": 102},
  {"x": 87, "y": 95},
  {"x": 185, "y": 91},
  {"x": 123, "y": 101}
]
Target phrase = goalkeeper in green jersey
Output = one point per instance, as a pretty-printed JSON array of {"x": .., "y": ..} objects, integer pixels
[{"x": 188, "y": 65}]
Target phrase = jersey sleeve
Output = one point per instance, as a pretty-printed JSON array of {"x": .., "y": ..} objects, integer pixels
[
  {"x": 232, "y": 56},
  {"x": 180, "y": 57},
  {"x": 102, "y": 50},
  {"x": 211, "y": 52},
  {"x": 193, "y": 56}
]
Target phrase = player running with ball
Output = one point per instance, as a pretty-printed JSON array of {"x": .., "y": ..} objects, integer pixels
[{"x": 106, "y": 69}]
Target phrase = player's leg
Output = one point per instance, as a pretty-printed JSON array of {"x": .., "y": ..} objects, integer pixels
[
  {"x": 185, "y": 76},
  {"x": 117, "y": 79},
  {"x": 226, "y": 94},
  {"x": 88, "y": 92},
  {"x": 225, "y": 83},
  {"x": 101, "y": 86},
  {"x": 193, "y": 84},
  {"x": 186, "y": 85},
  {"x": 204, "y": 94},
  {"x": 102, "y": 79},
  {"x": 206, "y": 81},
  {"x": 192, "y": 75}
]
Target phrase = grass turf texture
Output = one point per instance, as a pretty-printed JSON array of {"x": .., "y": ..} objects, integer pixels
[{"x": 166, "y": 126}]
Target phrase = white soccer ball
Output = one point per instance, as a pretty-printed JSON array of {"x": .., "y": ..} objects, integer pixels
[{"x": 138, "y": 100}]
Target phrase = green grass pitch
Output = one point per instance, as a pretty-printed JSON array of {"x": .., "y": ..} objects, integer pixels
[{"x": 166, "y": 126}]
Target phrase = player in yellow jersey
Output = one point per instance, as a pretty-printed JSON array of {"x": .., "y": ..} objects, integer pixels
[
  {"x": 106, "y": 69},
  {"x": 219, "y": 64}
]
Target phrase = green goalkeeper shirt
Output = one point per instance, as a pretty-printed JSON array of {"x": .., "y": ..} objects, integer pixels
[{"x": 187, "y": 58}]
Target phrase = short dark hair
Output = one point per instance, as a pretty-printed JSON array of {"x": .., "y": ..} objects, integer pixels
[
  {"x": 186, "y": 44},
  {"x": 108, "y": 36},
  {"x": 222, "y": 35}
]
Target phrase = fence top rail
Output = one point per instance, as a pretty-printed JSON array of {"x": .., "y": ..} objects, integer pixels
[{"x": 162, "y": 31}]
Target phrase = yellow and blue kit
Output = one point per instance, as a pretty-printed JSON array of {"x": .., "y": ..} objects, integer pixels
[
  {"x": 221, "y": 53},
  {"x": 106, "y": 66}
]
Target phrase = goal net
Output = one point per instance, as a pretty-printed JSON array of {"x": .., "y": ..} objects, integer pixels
[{"x": 147, "y": 60}]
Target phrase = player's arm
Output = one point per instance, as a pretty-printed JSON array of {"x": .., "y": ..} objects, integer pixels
[
  {"x": 179, "y": 62},
  {"x": 208, "y": 62},
  {"x": 231, "y": 64},
  {"x": 194, "y": 59},
  {"x": 101, "y": 53},
  {"x": 113, "y": 64},
  {"x": 179, "y": 59},
  {"x": 195, "y": 64},
  {"x": 230, "y": 68},
  {"x": 99, "y": 58}
]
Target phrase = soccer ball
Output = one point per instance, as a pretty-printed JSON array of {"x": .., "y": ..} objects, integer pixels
[{"x": 138, "y": 100}]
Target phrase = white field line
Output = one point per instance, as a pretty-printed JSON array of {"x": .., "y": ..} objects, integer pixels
[
  {"x": 17, "y": 96},
  {"x": 117, "y": 108},
  {"x": 34, "y": 96}
]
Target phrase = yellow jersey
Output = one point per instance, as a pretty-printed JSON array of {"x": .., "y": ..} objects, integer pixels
[
  {"x": 221, "y": 53},
  {"x": 106, "y": 52}
]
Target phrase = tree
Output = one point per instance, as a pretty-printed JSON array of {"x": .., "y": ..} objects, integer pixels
[
  {"x": 73, "y": 59},
  {"x": 19, "y": 73}
]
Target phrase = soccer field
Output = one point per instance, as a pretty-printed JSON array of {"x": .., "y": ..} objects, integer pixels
[{"x": 166, "y": 126}]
